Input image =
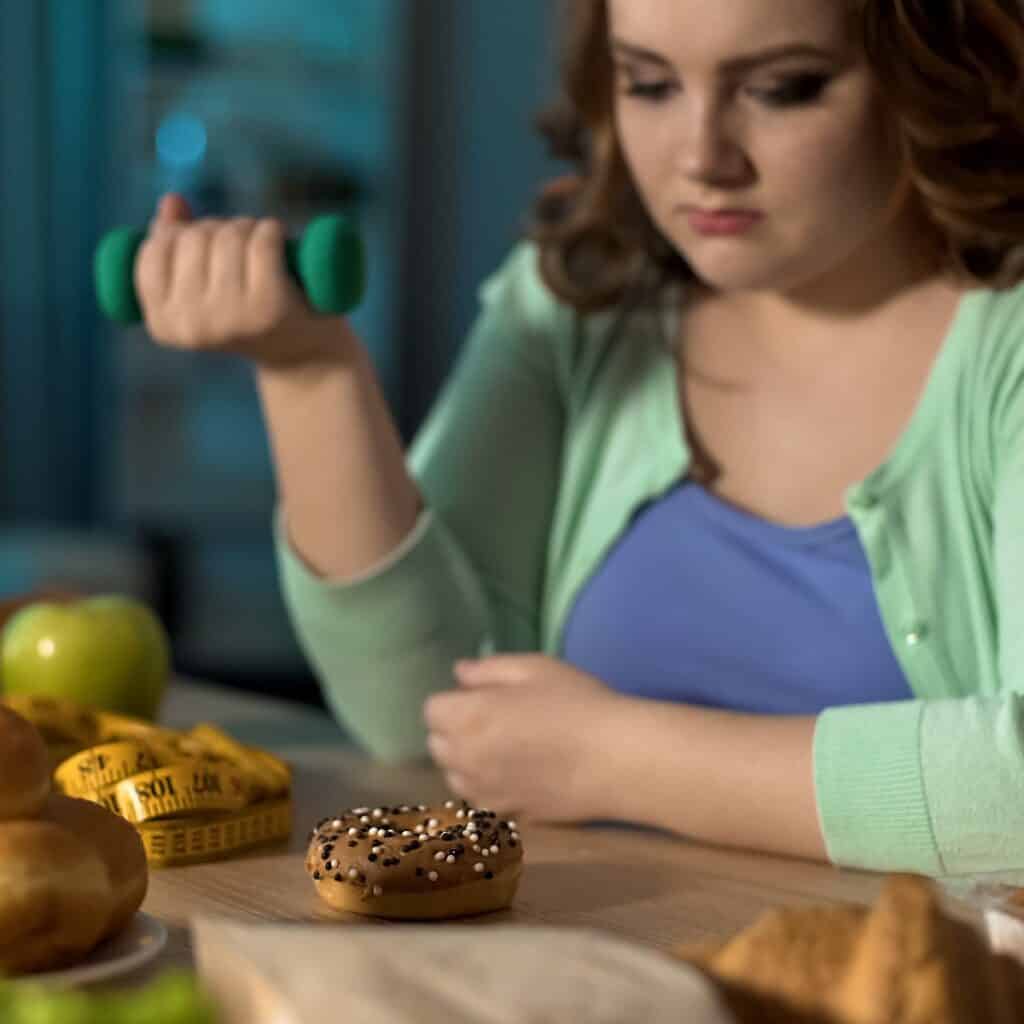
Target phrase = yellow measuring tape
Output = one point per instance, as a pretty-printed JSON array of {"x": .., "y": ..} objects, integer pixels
[{"x": 193, "y": 796}]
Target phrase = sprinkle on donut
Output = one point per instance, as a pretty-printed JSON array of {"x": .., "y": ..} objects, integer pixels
[{"x": 411, "y": 849}]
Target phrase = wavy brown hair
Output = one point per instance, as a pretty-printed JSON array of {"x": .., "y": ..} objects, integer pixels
[{"x": 952, "y": 72}]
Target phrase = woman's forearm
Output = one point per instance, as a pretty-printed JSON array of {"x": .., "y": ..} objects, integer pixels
[
  {"x": 348, "y": 498},
  {"x": 718, "y": 776}
]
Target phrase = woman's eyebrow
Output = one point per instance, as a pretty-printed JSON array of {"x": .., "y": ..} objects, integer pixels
[{"x": 741, "y": 63}]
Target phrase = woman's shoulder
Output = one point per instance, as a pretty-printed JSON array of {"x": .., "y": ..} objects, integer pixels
[
  {"x": 517, "y": 284},
  {"x": 992, "y": 371},
  {"x": 517, "y": 295},
  {"x": 993, "y": 323},
  {"x": 1004, "y": 307}
]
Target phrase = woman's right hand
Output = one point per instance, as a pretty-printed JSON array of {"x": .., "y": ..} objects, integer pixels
[{"x": 222, "y": 285}]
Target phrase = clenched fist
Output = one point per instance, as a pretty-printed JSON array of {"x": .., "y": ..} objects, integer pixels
[{"x": 222, "y": 285}]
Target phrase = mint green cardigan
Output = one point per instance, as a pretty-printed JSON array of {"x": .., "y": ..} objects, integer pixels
[{"x": 550, "y": 433}]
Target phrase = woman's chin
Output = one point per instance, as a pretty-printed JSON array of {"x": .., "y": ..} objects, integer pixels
[
  {"x": 734, "y": 273},
  {"x": 733, "y": 279}
]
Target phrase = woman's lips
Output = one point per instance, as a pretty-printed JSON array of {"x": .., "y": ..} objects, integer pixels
[{"x": 725, "y": 222}]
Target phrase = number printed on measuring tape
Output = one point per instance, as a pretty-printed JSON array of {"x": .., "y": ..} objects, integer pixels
[
  {"x": 181, "y": 788},
  {"x": 98, "y": 768},
  {"x": 265, "y": 775}
]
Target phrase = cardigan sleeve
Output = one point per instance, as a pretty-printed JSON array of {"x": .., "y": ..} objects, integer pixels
[
  {"x": 937, "y": 786},
  {"x": 469, "y": 578}
]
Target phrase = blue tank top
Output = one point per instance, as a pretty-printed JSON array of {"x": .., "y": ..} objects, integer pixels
[{"x": 702, "y": 603}]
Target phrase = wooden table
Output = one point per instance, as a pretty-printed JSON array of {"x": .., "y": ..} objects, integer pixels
[{"x": 643, "y": 885}]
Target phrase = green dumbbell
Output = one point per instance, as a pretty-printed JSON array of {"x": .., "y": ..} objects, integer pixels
[{"x": 328, "y": 264}]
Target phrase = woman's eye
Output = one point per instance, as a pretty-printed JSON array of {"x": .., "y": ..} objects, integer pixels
[
  {"x": 653, "y": 91},
  {"x": 796, "y": 91}
]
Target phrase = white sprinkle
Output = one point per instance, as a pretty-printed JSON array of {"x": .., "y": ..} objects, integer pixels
[
  {"x": 450, "y": 858},
  {"x": 331, "y": 865},
  {"x": 377, "y": 890},
  {"x": 515, "y": 835},
  {"x": 377, "y": 812},
  {"x": 439, "y": 855},
  {"x": 376, "y": 849},
  {"x": 476, "y": 848},
  {"x": 423, "y": 837},
  {"x": 494, "y": 849},
  {"x": 479, "y": 866},
  {"x": 421, "y": 807},
  {"x": 336, "y": 823},
  {"x": 472, "y": 814},
  {"x": 460, "y": 814},
  {"x": 373, "y": 830},
  {"x": 364, "y": 820},
  {"x": 485, "y": 853},
  {"x": 449, "y": 803},
  {"x": 361, "y": 810},
  {"x": 433, "y": 876},
  {"x": 433, "y": 823},
  {"x": 353, "y": 872},
  {"x": 406, "y": 832},
  {"x": 512, "y": 825},
  {"x": 353, "y": 831}
]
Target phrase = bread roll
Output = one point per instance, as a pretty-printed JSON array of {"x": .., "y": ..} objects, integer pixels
[
  {"x": 119, "y": 846},
  {"x": 56, "y": 898},
  {"x": 24, "y": 768}
]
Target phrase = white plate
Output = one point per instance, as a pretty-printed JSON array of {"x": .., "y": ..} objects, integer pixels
[{"x": 144, "y": 937}]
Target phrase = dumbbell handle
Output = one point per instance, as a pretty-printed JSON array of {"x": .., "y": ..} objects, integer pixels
[{"x": 327, "y": 262}]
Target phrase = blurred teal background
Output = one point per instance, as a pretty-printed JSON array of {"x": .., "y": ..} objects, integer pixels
[{"x": 127, "y": 467}]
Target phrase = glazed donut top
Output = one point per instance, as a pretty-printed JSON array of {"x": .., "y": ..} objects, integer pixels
[{"x": 413, "y": 847}]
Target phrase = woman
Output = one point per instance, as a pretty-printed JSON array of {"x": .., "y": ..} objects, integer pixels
[{"x": 718, "y": 525}]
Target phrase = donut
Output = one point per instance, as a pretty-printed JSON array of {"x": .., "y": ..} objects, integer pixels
[
  {"x": 415, "y": 862},
  {"x": 55, "y": 897},
  {"x": 24, "y": 767},
  {"x": 119, "y": 846}
]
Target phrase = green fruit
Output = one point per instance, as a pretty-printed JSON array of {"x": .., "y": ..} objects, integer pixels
[
  {"x": 175, "y": 997},
  {"x": 108, "y": 652}
]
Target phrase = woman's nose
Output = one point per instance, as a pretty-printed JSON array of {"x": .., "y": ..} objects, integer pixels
[{"x": 711, "y": 152}]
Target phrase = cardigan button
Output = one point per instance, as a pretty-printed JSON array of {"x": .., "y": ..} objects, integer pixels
[{"x": 916, "y": 634}]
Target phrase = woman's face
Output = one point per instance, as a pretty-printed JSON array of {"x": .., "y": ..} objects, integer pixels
[{"x": 764, "y": 106}]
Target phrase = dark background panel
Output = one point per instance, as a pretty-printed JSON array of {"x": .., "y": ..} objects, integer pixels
[{"x": 129, "y": 468}]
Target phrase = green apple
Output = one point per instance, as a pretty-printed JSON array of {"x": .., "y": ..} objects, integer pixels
[{"x": 109, "y": 652}]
